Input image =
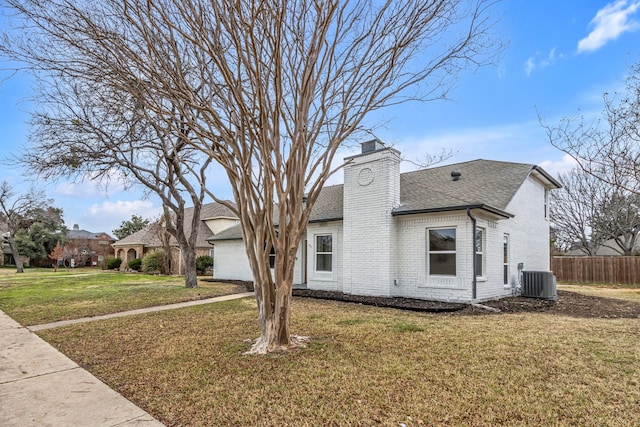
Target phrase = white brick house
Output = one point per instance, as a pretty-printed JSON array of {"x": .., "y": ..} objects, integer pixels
[{"x": 385, "y": 233}]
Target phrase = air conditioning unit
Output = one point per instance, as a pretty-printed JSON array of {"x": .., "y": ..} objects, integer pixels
[{"x": 539, "y": 284}]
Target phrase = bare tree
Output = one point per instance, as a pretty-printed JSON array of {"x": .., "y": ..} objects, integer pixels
[
  {"x": 575, "y": 211},
  {"x": 589, "y": 213},
  {"x": 608, "y": 149},
  {"x": 608, "y": 146},
  {"x": 618, "y": 219},
  {"x": 90, "y": 129},
  {"x": 269, "y": 90}
]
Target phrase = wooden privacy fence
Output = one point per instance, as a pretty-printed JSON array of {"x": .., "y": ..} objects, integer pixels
[{"x": 597, "y": 269}]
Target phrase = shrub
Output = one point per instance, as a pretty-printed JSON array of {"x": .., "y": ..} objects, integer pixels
[
  {"x": 203, "y": 263},
  {"x": 153, "y": 261},
  {"x": 113, "y": 263},
  {"x": 134, "y": 264}
]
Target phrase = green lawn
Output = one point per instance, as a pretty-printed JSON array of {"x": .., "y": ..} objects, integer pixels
[
  {"x": 41, "y": 296},
  {"x": 367, "y": 366},
  {"x": 364, "y": 365}
]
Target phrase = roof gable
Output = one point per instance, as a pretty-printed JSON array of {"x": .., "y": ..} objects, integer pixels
[
  {"x": 481, "y": 182},
  {"x": 145, "y": 236},
  {"x": 149, "y": 235},
  {"x": 214, "y": 210}
]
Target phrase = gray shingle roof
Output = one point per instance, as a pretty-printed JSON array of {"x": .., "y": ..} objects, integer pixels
[
  {"x": 487, "y": 183},
  {"x": 84, "y": 234},
  {"x": 329, "y": 204},
  {"x": 482, "y": 182},
  {"x": 215, "y": 210},
  {"x": 148, "y": 236}
]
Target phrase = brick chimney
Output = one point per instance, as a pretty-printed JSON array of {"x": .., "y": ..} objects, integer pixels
[{"x": 371, "y": 192}]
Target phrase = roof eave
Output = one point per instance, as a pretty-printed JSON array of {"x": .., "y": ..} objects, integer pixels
[
  {"x": 213, "y": 240},
  {"x": 315, "y": 221},
  {"x": 208, "y": 218},
  {"x": 544, "y": 176},
  {"x": 486, "y": 208}
]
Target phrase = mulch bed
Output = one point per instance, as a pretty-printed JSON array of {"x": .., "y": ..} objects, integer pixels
[{"x": 567, "y": 304}]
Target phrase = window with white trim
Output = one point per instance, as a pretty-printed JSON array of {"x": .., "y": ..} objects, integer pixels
[
  {"x": 505, "y": 258},
  {"x": 324, "y": 252},
  {"x": 442, "y": 251},
  {"x": 546, "y": 203},
  {"x": 479, "y": 252}
]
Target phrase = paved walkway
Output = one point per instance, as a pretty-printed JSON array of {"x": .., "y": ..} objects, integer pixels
[
  {"x": 39, "y": 386},
  {"x": 138, "y": 311}
]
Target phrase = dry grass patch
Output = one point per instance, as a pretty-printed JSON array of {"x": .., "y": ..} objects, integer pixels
[
  {"x": 367, "y": 366},
  {"x": 625, "y": 292}
]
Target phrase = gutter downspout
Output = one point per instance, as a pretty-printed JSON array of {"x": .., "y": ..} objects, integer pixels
[{"x": 473, "y": 253}]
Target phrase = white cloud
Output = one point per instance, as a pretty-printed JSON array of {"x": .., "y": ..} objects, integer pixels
[
  {"x": 609, "y": 23},
  {"x": 551, "y": 58},
  {"x": 107, "y": 215},
  {"x": 78, "y": 189},
  {"x": 120, "y": 207},
  {"x": 538, "y": 60},
  {"x": 564, "y": 165},
  {"x": 89, "y": 187},
  {"x": 529, "y": 65}
]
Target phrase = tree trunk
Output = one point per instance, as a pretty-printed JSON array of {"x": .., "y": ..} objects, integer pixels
[
  {"x": 274, "y": 316},
  {"x": 190, "y": 272},
  {"x": 166, "y": 261},
  {"x": 16, "y": 255},
  {"x": 274, "y": 303}
]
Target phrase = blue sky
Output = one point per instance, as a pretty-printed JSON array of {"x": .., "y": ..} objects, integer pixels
[{"x": 561, "y": 57}]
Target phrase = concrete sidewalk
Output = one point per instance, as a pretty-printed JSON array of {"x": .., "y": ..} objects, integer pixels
[
  {"x": 39, "y": 386},
  {"x": 42, "y": 327}
]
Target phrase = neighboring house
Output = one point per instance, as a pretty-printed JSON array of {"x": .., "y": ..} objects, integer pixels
[
  {"x": 214, "y": 218},
  {"x": 608, "y": 248},
  {"x": 87, "y": 248},
  {"x": 411, "y": 235}
]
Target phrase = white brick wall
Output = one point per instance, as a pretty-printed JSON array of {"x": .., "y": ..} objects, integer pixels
[
  {"x": 375, "y": 253},
  {"x": 329, "y": 281},
  {"x": 529, "y": 243},
  {"x": 231, "y": 261},
  {"x": 371, "y": 191},
  {"x": 412, "y": 279},
  {"x": 529, "y": 229}
]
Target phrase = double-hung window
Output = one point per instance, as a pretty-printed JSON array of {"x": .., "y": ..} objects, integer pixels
[
  {"x": 442, "y": 251},
  {"x": 546, "y": 203},
  {"x": 479, "y": 252},
  {"x": 324, "y": 252},
  {"x": 505, "y": 258}
]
